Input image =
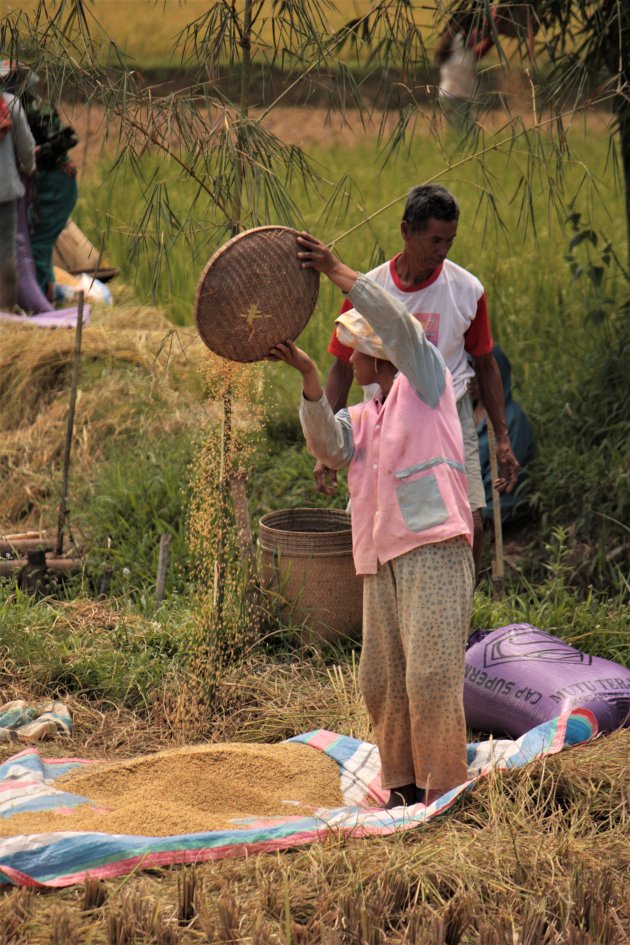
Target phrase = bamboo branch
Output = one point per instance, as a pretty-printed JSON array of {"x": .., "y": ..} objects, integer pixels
[{"x": 472, "y": 157}]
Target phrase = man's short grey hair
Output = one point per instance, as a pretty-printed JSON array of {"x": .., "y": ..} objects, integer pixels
[{"x": 429, "y": 201}]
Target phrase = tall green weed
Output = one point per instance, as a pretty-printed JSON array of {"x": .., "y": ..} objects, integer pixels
[
  {"x": 140, "y": 493},
  {"x": 55, "y": 649}
]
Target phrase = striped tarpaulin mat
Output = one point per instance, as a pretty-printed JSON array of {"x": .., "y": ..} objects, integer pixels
[{"x": 27, "y": 783}]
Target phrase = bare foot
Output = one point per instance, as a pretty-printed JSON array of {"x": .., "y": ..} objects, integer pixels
[{"x": 403, "y": 796}]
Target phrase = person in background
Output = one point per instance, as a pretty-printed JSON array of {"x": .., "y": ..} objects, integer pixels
[
  {"x": 514, "y": 505},
  {"x": 466, "y": 39},
  {"x": 411, "y": 528},
  {"x": 451, "y": 305},
  {"x": 56, "y": 184},
  {"x": 17, "y": 153}
]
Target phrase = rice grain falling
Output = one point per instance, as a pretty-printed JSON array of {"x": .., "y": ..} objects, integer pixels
[
  {"x": 191, "y": 790},
  {"x": 222, "y": 632}
]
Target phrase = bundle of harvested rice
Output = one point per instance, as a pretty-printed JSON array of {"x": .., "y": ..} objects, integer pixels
[
  {"x": 191, "y": 790},
  {"x": 34, "y": 364},
  {"x": 137, "y": 377}
]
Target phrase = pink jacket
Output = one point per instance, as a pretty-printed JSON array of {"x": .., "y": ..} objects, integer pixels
[
  {"x": 407, "y": 477},
  {"x": 406, "y": 454}
]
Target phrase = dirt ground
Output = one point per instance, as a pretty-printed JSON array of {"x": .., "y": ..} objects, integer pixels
[{"x": 309, "y": 127}]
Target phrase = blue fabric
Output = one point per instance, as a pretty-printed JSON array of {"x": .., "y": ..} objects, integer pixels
[
  {"x": 56, "y": 197},
  {"x": 514, "y": 505}
]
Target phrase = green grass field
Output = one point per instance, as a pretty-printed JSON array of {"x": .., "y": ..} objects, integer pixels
[
  {"x": 520, "y": 256},
  {"x": 553, "y": 293},
  {"x": 147, "y": 31},
  {"x": 538, "y": 856}
]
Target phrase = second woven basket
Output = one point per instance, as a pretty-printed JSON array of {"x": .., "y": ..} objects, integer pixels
[{"x": 306, "y": 557}]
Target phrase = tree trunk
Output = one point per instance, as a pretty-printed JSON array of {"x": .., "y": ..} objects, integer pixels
[
  {"x": 618, "y": 61},
  {"x": 622, "y": 108}
]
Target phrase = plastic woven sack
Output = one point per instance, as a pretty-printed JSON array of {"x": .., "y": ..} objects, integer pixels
[{"x": 519, "y": 676}]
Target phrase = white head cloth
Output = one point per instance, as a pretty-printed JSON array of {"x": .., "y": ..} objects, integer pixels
[{"x": 355, "y": 332}]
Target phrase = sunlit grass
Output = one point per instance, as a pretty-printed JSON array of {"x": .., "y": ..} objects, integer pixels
[
  {"x": 534, "y": 302},
  {"x": 557, "y": 330},
  {"x": 146, "y": 30}
]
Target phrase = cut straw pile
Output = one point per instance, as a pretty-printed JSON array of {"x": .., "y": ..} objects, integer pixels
[{"x": 137, "y": 377}]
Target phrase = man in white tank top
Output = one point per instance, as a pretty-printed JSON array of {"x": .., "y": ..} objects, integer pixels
[
  {"x": 451, "y": 304},
  {"x": 463, "y": 43}
]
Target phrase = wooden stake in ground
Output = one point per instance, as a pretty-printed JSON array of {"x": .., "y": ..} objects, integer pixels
[
  {"x": 162, "y": 568},
  {"x": 63, "y": 509},
  {"x": 243, "y": 525},
  {"x": 106, "y": 581},
  {"x": 498, "y": 575}
]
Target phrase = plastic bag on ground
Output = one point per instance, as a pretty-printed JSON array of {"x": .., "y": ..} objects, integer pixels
[
  {"x": 518, "y": 676},
  {"x": 67, "y": 288}
]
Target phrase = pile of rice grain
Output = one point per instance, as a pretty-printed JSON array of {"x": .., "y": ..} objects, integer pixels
[{"x": 191, "y": 790}]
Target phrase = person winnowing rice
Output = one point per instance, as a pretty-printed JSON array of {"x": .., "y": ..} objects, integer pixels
[{"x": 411, "y": 528}]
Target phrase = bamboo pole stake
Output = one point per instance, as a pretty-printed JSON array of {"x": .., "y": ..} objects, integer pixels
[
  {"x": 106, "y": 581},
  {"x": 244, "y": 535},
  {"x": 226, "y": 432},
  {"x": 76, "y": 363},
  {"x": 162, "y": 568},
  {"x": 498, "y": 574}
]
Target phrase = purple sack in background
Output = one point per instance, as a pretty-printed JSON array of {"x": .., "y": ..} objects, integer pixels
[
  {"x": 519, "y": 676},
  {"x": 29, "y": 295}
]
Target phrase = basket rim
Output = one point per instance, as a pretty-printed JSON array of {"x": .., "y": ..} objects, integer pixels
[
  {"x": 339, "y": 531},
  {"x": 310, "y": 553}
]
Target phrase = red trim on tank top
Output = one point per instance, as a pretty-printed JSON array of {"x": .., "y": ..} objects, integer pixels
[{"x": 412, "y": 288}]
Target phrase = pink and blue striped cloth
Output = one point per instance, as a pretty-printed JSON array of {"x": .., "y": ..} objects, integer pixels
[{"x": 27, "y": 783}]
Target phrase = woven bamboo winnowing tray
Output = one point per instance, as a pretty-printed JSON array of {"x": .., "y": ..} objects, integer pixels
[{"x": 253, "y": 294}]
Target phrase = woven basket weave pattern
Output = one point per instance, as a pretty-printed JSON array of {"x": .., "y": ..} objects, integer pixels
[
  {"x": 307, "y": 555},
  {"x": 306, "y": 532},
  {"x": 253, "y": 294}
]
